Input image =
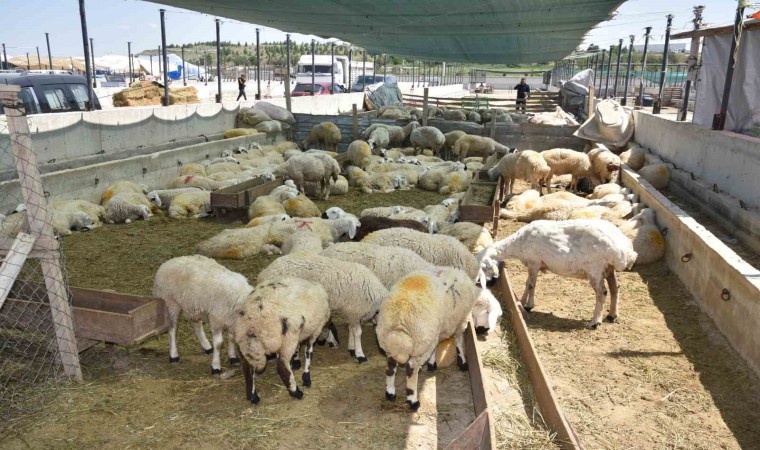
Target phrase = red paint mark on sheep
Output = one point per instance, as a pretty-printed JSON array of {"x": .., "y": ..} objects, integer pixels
[{"x": 304, "y": 224}]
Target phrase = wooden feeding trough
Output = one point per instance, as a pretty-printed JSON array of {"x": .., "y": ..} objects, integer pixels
[
  {"x": 232, "y": 202},
  {"x": 481, "y": 201},
  {"x": 111, "y": 317}
]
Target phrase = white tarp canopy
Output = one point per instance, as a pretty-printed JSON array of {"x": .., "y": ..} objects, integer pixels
[
  {"x": 116, "y": 63},
  {"x": 744, "y": 106}
]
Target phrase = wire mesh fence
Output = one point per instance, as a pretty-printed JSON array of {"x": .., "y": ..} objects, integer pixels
[{"x": 38, "y": 349}]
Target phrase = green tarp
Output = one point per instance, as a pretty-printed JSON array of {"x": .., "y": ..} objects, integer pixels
[{"x": 482, "y": 31}]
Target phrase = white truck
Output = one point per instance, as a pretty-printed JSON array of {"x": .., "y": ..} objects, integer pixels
[{"x": 321, "y": 69}]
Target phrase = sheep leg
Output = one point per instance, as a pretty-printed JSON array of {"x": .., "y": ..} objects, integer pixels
[
  {"x": 201, "y": 335},
  {"x": 351, "y": 342},
  {"x": 548, "y": 182},
  {"x": 459, "y": 342},
  {"x": 283, "y": 369},
  {"x": 308, "y": 351},
  {"x": 412, "y": 375},
  {"x": 173, "y": 318},
  {"x": 390, "y": 380},
  {"x": 250, "y": 382},
  {"x": 231, "y": 351},
  {"x": 601, "y": 293},
  {"x": 431, "y": 364},
  {"x": 217, "y": 339},
  {"x": 527, "y": 299},
  {"x": 358, "y": 343},
  {"x": 511, "y": 185},
  {"x": 613, "y": 285},
  {"x": 295, "y": 361}
]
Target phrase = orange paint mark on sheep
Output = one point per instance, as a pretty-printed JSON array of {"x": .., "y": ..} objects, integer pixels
[
  {"x": 233, "y": 253},
  {"x": 106, "y": 196},
  {"x": 415, "y": 283},
  {"x": 656, "y": 238}
]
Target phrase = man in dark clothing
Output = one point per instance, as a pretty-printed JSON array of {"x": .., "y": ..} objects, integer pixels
[
  {"x": 241, "y": 87},
  {"x": 523, "y": 93}
]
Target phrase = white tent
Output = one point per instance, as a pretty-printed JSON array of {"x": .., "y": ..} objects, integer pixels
[
  {"x": 174, "y": 64},
  {"x": 116, "y": 63}
]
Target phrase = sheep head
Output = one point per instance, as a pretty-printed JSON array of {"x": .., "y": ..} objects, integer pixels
[{"x": 489, "y": 266}]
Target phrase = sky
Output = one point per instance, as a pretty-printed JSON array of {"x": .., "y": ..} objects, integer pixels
[{"x": 111, "y": 23}]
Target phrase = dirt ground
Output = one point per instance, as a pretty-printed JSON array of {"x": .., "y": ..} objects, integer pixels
[
  {"x": 662, "y": 377},
  {"x": 133, "y": 398}
]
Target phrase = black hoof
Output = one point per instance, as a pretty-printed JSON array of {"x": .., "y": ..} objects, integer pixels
[
  {"x": 390, "y": 397},
  {"x": 481, "y": 330},
  {"x": 271, "y": 356},
  {"x": 594, "y": 326},
  {"x": 216, "y": 371},
  {"x": 297, "y": 394},
  {"x": 295, "y": 364},
  {"x": 209, "y": 351},
  {"x": 234, "y": 361},
  {"x": 382, "y": 352},
  {"x": 352, "y": 353},
  {"x": 306, "y": 378},
  {"x": 173, "y": 360},
  {"x": 432, "y": 367},
  {"x": 254, "y": 398},
  {"x": 362, "y": 359},
  {"x": 413, "y": 406},
  {"x": 321, "y": 342},
  {"x": 527, "y": 308},
  {"x": 464, "y": 367},
  {"x": 610, "y": 319}
]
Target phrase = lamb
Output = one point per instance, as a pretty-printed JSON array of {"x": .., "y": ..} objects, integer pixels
[
  {"x": 353, "y": 290},
  {"x": 339, "y": 187},
  {"x": 455, "y": 181},
  {"x": 528, "y": 207},
  {"x": 329, "y": 230},
  {"x": 168, "y": 195},
  {"x": 423, "y": 308},
  {"x": 301, "y": 206},
  {"x": 431, "y": 179},
  {"x": 646, "y": 237},
  {"x": 633, "y": 157},
  {"x": 202, "y": 289},
  {"x": 371, "y": 224},
  {"x": 436, "y": 249},
  {"x": 427, "y": 138},
  {"x": 583, "y": 248},
  {"x": 526, "y": 165},
  {"x": 475, "y": 237},
  {"x": 192, "y": 169},
  {"x": 562, "y": 161},
  {"x": 266, "y": 219},
  {"x": 359, "y": 153},
  {"x": 376, "y": 183},
  {"x": 276, "y": 319},
  {"x": 65, "y": 221},
  {"x": 400, "y": 181},
  {"x": 605, "y": 164},
  {"x": 207, "y": 184},
  {"x": 606, "y": 189},
  {"x": 265, "y": 205},
  {"x": 191, "y": 204},
  {"x": 338, "y": 213},
  {"x": 284, "y": 192},
  {"x": 126, "y": 207},
  {"x": 486, "y": 312},
  {"x": 451, "y": 138},
  {"x": 379, "y": 138},
  {"x": 472, "y": 145},
  {"x": 119, "y": 187},
  {"x": 439, "y": 214},
  {"x": 311, "y": 167},
  {"x": 95, "y": 212},
  {"x": 326, "y": 135},
  {"x": 384, "y": 211},
  {"x": 302, "y": 241},
  {"x": 390, "y": 264}
]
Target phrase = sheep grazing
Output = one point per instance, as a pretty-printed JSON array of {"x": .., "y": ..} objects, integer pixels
[
  {"x": 451, "y": 138},
  {"x": 302, "y": 241},
  {"x": 475, "y": 237},
  {"x": 583, "y": 248},
  {"x": 422, "y": 309},
  {"x": 275, "y": 319},
  {"x": 359, "y": 153},
  {"x": 126, "y": 207},
  {"x": 326, "y": 135},
  {"x": 562, "y": 161},
  {"x": 486, "y": 312},
  {"x": 191, "y": 204},
  {"x": 354, "y": 291},
  {"x": 313, "y": 168},
  {"x": 390, "y": 264},
  {"x": 379, "y": 138},
  {"x": 371, "y": 224},
  {"x": 605, "y": 164},
  {"x": 525, "y": 165},
  {"x": 427, "y": 138},
  {"x": 202, "y": 289},
  {"x": 119, "y": 187},
  {"x": 472, "y": 145},
  {"x": 436, "y": 249}
]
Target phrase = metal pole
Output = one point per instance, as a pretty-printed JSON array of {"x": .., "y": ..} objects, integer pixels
[
  {"x": 129, "y": 61},
  {"x": 151, "y": 64},
  {"x": 609, "y": 72},
  {"x": 184, "y": 71},
  {"x": 332, "y": 67},
  {"x": 364, "y": 71},
  {"x": 28, "y": 66},
  {"x": 85, "y": 44},
  {"x": 39, "y": 61},
  {"x": 163, "y": 56},
  {"x": 218, "y": 61},
  {"x": 624, "y": 101},
  {"x": 413, "y": 79},
  {"x": 5, "y": 64},
  {"x": 719, "y": 121},
  {"x": 664, "y": 70},
  {"x": 385, "y": 66},
  {"x": 693, "y": 55},
  {"x": 601, "y": 71},
  {"x": 644, "y": 66},
  {"x": 313, "y": 69},
  {"x": 350, "y": 67},
  {"x": 258, "y": 64},
  {"x": 205, "y": 68},
  {"x": 158, "y": 57},
  {"x": 92, "y": 58},
  {"x": 617, "y": 68},
  {"x": 287, "y": 72},
  {"x": 50, "y": 57}
]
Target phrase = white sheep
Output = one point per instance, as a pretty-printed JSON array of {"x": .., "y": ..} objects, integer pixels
[
  {"x": 430, "y": 180},
  {"x": 286, "y": 191},
  {"x": 192, "y": 169},
  {"x": 266, "y": 219},
  {"x": 658, "y": 175},
  {"x": 647, "y": 239},
  {"x": 525, "y": 165},
  {"x": 122, "y": 186},
  {"x": 202, "y": 289},
  {"x": 188, "y": 181},
  {"x": 336, "y": 212},
  {"x": 265, "y": 205},
  {"x": 583, "y": 248},
  {"x": 455, "y": 181},
  {"x": 301, "y": 206},
  {"x": 486, "y": 312},
  {"x": 436, "y": 249},
  {"x": 375, "y": 182},
  {"x": 390, "y": 264},
  {"x": 423, "y": 138},
  {"x": 167, "y": 195},
  {"x": 312, "y": 167},
  {"x": 127, "y": 207},
  {"x": 422, "y": 309},
  {"x": 606, "y": 189},
  {"x": 302, "y": 241},
  {"x": 451, "y": 138},
  {"x": 191, "y": 204},
  {"x": 482, "y": 146},
  {"x": 275, "y": 319},
  {"x": 325, "y": 134},
  {"x": 475, "y": 237},
  {"x": 359, "y": 153},
  {"x": 339, "y": 187},
  {"x": 94, "y": 211},
  {"x": 65, "y": 221},
  {"x": 634, "y": 156},
  {"x": 562, "y": 161},
  {"x": 606, "y": 164},
  {"x": 223, "y": 167},
  {"x": 379, "y": 138},
  {"x": 353, "y": 290}
]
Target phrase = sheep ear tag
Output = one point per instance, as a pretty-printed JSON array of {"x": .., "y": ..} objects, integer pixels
[{"x": 352, "y": 231}]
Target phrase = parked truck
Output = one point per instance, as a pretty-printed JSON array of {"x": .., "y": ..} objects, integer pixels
[{"x": 321, "y": 69}]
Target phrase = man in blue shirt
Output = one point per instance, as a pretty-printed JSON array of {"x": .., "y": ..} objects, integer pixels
[{"x": 523, "y": 93}]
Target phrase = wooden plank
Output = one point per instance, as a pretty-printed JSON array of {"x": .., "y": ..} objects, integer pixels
[
  {"x": 542, "y": 387},
  {"x": 472, "y": 437},
  {"x": 425, "y": 108},
  {"x": 41, "y": 247},
  {"x": 355, "y": 119},
  {"x": 749, "y": 25},
  {"x": 14, "y": 262}
]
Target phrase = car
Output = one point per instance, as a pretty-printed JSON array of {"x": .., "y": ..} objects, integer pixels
[
  {"x": 51, "y": 93},
  {"x": 304, "y": 89},
  {"x": 372, "y": 82}
]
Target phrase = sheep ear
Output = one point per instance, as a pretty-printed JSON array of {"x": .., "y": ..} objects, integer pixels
[
  {"x": 431, "y": 227},
  {"x": 351, "y": 230},
  {"x": 482, "y": 278}
]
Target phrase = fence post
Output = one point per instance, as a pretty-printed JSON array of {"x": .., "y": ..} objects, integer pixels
[
  {"x": 601, "y": 69},
  {"x": 493, "y": 124},
  {"x": 355, "y": 122},
  {"x": 617, "y": 68},
  {"x": 664, "y": 70},
  {"x": 609, "y": 72},
  {"x": 287, "y": 73},
  {"x": 218, "y": 62},
  {"x": 644, "y": 66},
  {"x": 425, "y": 107},
  {"x": 693, "y": 55},
  {"x": 590, "y": 105},
  {"x": 624, "y": 101}
]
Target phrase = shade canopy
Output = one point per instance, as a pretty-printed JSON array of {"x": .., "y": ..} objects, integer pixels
[{"x": 481, "y": 31}]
